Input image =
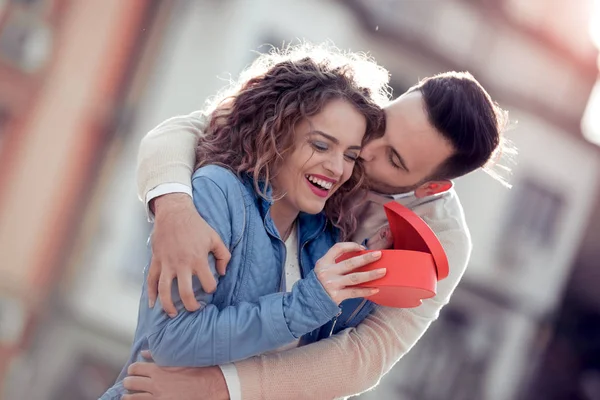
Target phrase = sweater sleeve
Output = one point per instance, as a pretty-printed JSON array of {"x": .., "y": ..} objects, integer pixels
[
  {"x": 355, "y": 359},
  {"x": 167, "y": 153}
]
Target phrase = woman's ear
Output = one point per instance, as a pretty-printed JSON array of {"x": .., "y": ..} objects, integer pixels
[{"x": 432, "y": 187}]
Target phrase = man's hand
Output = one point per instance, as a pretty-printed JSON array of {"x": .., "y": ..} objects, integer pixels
[
  {"x": 180, "y": 245},
  {"x": 148, "y": 381},
  {"x": 382, "y": 240}
]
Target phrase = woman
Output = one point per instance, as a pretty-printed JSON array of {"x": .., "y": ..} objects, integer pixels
[{"x": 278, "y": 181}]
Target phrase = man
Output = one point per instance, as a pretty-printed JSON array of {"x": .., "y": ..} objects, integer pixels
[{"x": 442, "y": 128}]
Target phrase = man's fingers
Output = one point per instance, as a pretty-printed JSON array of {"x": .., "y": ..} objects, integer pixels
[
  {"x": 164, "y": 293},
  {"x": 147, "y": 355},
  {"x": 207, "y": 280},
  {"x": 186, "y": 291},
  {"x": 140, "y": 369},
  {"x": 221, "y": 253},
  {"x": 358, "y": 261},
  {"x": 152, "y": 282},
  {"x": 138, "y": 384},
  {"x": 357, "y": 278}
]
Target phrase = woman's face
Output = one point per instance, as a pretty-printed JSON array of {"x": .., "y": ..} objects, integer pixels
[{"x": 327, "y": 146}]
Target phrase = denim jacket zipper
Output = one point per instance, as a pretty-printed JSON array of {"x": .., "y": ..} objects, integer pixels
[
  {"x": 334, "y": 322},
  {"x": 357, "y": 310},
  {"x": 282, "y": 281},
  {"x": 284, "y": 251}
]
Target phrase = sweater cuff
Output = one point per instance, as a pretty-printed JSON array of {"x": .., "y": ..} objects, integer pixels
[
  {"x": 232, "y": 381},
  {"x": 161, "y": 190},
  {"x": 173, "y": 172}
]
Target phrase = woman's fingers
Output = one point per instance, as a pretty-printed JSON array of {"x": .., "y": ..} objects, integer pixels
[
  {"x": 351, "y": 264},
  {"x": 339, "y": 280},
  {"x": 352, "y": 292},
  {"x": 337, "y": 250},
  {"x": 356, "y": 278}
]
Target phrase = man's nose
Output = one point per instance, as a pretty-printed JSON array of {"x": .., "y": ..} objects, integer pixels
[{"x": 367, "y": 153}]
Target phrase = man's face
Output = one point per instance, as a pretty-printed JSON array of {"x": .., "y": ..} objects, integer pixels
[{"x": 410, "y": 150}]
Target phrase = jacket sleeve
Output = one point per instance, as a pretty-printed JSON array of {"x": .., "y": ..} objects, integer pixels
[{"x": 213, "y": 336}]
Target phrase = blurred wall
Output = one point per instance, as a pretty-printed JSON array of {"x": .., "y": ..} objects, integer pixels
[
  {"x": 55, "y": 141},
  {"x": 73, "y": 244}
]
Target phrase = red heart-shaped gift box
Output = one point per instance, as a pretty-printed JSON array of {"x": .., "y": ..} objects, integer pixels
[{"x": 414, "y": 265}]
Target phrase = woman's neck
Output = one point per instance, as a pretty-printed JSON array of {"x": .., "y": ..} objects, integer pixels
[{"x": 283, "y": 218}]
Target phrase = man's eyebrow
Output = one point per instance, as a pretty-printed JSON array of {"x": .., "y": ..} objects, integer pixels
[
  {"x": 400, "y": 159},
  {"x": 333, "y": 139}
]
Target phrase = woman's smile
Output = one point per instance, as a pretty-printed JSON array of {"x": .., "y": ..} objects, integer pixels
[
  {"x": 325, "y": 150},
  {"x": 320, "y": 185}
]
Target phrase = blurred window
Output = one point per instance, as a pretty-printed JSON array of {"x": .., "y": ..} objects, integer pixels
[
  {"x": 25, "y": 39},
  {"x": 533, "y": 223}
]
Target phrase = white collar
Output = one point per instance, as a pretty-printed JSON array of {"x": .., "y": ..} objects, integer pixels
[
  {"x": 408, "y": 197},
  {"x": 402, "y": 195}
]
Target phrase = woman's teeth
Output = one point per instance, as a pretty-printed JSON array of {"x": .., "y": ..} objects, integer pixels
[{"x": 323, "y": 184}]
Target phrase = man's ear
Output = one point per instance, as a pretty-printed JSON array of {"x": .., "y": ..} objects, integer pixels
[{"x": 432, "y": 187}]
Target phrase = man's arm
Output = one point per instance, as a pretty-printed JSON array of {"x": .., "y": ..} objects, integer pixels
[
  {"x": 346, "y": 364},
  {"x": 354, "y": 360},
  {"x": 166, "y": 159},
  {"x": 407, "y": 326},
  {"x": 167, "y": 154}
]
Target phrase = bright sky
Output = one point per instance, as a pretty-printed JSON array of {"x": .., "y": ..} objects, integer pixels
[{"x": 590, "y": 124}]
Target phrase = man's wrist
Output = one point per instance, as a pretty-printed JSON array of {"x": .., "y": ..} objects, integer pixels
[
  {"x": 170, "y": 201},
  {"x": 217, "y": 385}
]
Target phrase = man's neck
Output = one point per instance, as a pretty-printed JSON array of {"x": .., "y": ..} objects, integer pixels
[{"x": 395, "y": 196}]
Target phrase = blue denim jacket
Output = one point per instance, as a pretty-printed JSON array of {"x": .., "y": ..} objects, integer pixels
[{"x": 248, "y": 314}]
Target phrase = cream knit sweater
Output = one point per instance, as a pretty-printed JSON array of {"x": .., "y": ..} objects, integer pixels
[{"x": 354, "y": 360}]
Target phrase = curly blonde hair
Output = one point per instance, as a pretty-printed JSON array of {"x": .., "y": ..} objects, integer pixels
[{"x": 252, "y": 123}]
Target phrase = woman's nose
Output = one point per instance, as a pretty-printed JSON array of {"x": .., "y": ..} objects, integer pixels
[{"x": 336, "y": 166}]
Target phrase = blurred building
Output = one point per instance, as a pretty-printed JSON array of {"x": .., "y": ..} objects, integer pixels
[
  {"x": 65, "y": 83},
  {"x": 82, "y": 82}
]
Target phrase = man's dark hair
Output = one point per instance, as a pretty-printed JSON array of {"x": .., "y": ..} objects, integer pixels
[{"x": 464, "y": 113}]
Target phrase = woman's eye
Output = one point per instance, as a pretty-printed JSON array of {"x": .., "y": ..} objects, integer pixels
[
  {"x": 320, "y": 146},
  {"x": 351, "y": 157}
]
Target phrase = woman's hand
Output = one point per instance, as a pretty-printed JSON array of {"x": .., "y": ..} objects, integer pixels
[{"x": 338, "y": 279}]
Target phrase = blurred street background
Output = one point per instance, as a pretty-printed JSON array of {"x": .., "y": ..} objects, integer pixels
[{"x": 81, "y": 81}]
